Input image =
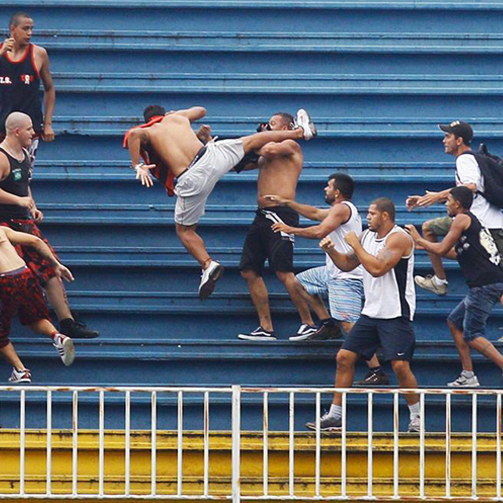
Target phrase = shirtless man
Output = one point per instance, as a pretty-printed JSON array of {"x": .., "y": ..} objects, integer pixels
[
  {"x": 279, "y": 166},
  {"x": 20, "y": 293},
  {"x": 197, "y": 169},
  {"x": 22, "y": 66}
]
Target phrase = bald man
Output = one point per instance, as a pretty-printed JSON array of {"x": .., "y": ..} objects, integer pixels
[
  {"x": 19, "y": 212},
  {"x": 23, "y": 67}
]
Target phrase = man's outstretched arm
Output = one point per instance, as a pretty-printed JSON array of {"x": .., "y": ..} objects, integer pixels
[
  {"x": 444, "y": 248},
  {"x": 305, "y": 210},
  {"x": 193, "y": 113},
  {"x": 337, "y": 215}
]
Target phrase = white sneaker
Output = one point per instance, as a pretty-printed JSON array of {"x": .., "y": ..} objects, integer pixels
[
  {"x": 304, "y": 121},
  {"x": 464, "y": 382},
  {"x": 414, "y": 425},
  {"x": 65, "y": 348},
  {"x": 20, "y": 376},
  {"x": 428, "y": 284},
  {"x": 304, "y": 332},
  {"x": 209, "y": 277}
]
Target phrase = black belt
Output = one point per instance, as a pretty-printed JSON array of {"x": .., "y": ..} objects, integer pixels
[{"x": 198, "y": 156}]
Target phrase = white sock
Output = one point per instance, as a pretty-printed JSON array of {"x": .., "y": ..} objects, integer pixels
[
  {"x": 439, "y": 281},
  {"x": 335, "y": 411},
  {"x": 467, "y": 373},
  {"x": 414, "y": 411}
]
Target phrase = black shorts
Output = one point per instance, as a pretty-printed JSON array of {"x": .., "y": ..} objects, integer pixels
[
  {"x": 262, "y": 243},
  {"x": 395, "y": 337}
]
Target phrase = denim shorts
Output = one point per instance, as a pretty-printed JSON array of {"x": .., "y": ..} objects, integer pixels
[{"x": 471, "y": 314}]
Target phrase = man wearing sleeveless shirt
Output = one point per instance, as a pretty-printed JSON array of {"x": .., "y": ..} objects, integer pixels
[
  {"x": 386, "y": 253},
  {"x": 344, "y": 289},
  {"x": 23, "y": 66},
  {"x": 473, "y": 246},
  {"x": 19, "y": 212}
]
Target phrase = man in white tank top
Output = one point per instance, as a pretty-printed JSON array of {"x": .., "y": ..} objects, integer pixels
[
  {"x": 344, "y": 289},
  {"x": 386, "y": 253}
]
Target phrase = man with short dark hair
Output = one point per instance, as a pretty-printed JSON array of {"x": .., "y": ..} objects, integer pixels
[
  {"x": 23, "y": 66},
  {"x": 457, "y": 139},
  {"x": 178, "y": 152},
  {"x": 280, "y": 165},
  {"x": 472, "y": 244},
  {"x": 386, "y": 253}
]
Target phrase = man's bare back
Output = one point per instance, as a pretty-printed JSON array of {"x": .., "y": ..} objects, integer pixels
[
  {"x": 279, "y": 173},
  {"x": 174, "y": 142}
]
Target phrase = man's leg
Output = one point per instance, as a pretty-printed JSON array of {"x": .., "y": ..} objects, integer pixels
[
  {"x": 290, "y": 282},
  {"x": 406, "y": 379},
  {"x": 55, "y": 290},
  {"x": 362, "y": 340},
  {"x": 56, "y": 295},
  {"x": 260, "y": 298},
  {"x": 193, "y": 243},
  {"x": 432, "y": 229},
  {"x": 9, "y": 354},
  {"x": 462, "y": 347},
  {"x": 486, "y": 348}
]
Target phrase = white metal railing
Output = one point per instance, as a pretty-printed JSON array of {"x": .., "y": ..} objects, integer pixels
[{"x": 236, "y": 394}]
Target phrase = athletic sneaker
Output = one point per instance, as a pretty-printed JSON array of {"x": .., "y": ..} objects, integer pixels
[
  {"x": 500, "y": 339},
  {"x": 76, "y": 329},
  {"x": 374, "y": 379},
  {"x": 428, "y": 284},
  {"x": 259, "y": 334},
  {"x": 65, "y": 348},
  {"x": 325, "y": 332},
  {"x": 304, "y": 121},
  {"x": 20, "y": 376},
  {"x": 464, "y": 382},
  {"x": 415, "y": 425},
  {"x": 327, "y": 423},
  {"x": 303, "y": 332},
  {"x": 209, "y": 277}
]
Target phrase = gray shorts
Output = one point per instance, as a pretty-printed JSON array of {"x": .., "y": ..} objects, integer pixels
[{"x": 194, "y": 187}]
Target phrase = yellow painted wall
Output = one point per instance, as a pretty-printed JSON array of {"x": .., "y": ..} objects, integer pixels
[{"x": 251, "y": 465}]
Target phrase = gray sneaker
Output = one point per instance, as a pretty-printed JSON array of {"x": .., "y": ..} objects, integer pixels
[
  {"x": 428, "y": 284},
  {"x": 415, "y": 425},
  {"x": 464, "y": 382},
  {"x": 327, "y": 423}
]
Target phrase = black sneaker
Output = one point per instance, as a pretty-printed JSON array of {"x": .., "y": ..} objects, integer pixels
[
  {"x": 325, "y": 332},
  {"x": 327, "y": 423},
  {"x": 259, "y": 334},
  {"x": 374, "y": 379},
  {"x": 304, "y": 332},
  {"x": 76, "y": 330}
]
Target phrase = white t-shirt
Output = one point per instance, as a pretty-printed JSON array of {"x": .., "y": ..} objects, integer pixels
[{"x": 468, "y": 171}]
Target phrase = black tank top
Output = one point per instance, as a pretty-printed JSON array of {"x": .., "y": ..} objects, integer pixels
[
  {"x": 478, "y": 255},
  {"x": 17, "y": 183},
  {"x": 20, "y": 89}
]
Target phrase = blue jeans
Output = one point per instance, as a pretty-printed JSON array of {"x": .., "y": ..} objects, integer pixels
[{"x": 471, "y": 314}]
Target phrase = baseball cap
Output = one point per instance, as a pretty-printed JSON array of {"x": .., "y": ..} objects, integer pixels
[{"x": 460, "y": 129}]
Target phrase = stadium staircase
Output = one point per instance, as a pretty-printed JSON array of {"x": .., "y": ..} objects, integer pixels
[{"x": 376, "y": 75}]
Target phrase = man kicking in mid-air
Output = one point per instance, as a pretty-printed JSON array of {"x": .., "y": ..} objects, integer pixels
[{"x": 171, "y": 142}]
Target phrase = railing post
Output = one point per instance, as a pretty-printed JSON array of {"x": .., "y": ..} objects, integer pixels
[{"x": 236, "y": 444}]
